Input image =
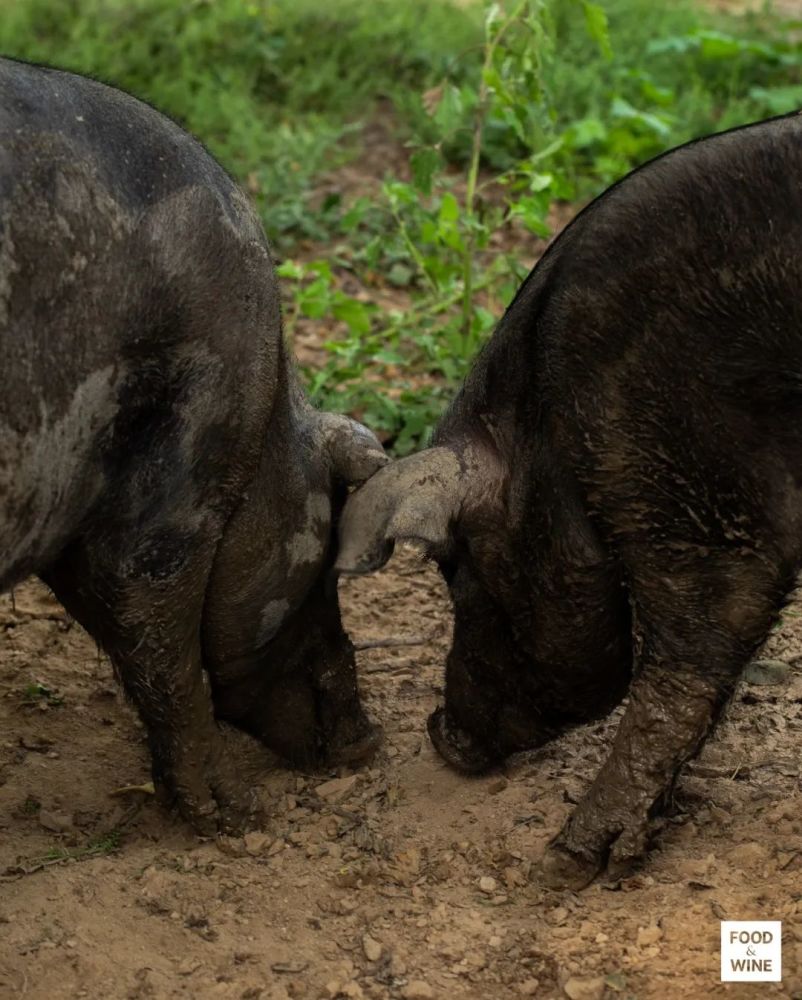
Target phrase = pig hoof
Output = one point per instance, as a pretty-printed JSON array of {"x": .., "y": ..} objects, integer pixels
[
  {"x": 455, "y": 746},
  {"x": 563, "y": 869},
  {"x": 210, "y": 803},
  {"x": 359, "y": 751},
  {"x": 223, "y": 815}
]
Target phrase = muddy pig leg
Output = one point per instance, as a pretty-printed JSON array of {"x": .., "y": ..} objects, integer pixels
[
  {"x": 695, "y": 630},
  {"x": 302, "y": 699},
  {"x": 143, "y": 598}
]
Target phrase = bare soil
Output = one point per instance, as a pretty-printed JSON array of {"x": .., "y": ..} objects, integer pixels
[{"x": 404, "y": 879}]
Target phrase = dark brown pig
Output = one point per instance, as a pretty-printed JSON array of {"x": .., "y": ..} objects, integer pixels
[
  {"x": 160, "y": 468},
  {"x": 616, "y": 492}
]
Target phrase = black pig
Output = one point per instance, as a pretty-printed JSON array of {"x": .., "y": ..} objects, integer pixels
[
  {"x": 159, "y": 466},
  {"x": 619, "y": 482}
]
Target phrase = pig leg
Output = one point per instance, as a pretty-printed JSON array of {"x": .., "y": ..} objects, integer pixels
[
  {"x": 302, "y": 699},
  {"x": 147, "y": 617},
  {"x": 695, "y": 632}
]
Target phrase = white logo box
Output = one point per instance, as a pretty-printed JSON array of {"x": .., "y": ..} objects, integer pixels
[{"x": 751, "y": 951}]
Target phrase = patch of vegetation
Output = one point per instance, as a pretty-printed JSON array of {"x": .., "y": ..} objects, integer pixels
[
  {"x": 504, "y": 108},
  {"x": 568, "y": 96},
  {"x": 31, "y": 806},
  {"x": 104, "y": 843},
  {"x": 100, "y": 846},
  {"x": 39, "y": 695}
]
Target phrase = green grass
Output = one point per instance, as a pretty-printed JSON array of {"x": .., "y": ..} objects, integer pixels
[
  {"x": 40, "y": 695},
  {"x": 682, "y": 71},
  {"x": 271, "y": 88},
  {"x": 556, "y": 103}
]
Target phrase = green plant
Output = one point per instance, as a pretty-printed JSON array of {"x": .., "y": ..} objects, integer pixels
[
  {"x": 563, "y": 97},
  {"x": 40, "y": 695},
  {"x": 442, "y": 230},
  {"x": 31, "y": 806}
]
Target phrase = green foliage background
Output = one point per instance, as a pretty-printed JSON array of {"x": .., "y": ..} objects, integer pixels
[{"x": 498, "y": 112}]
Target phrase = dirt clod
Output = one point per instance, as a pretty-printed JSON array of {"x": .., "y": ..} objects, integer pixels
[
  {"x": 337, "y": 789},
  {"x": 256, "y": 842},
  {"x": 372, "y": 948},
  {"x": 649, "y": 935},
  {"x": 56, "y": 822},
  {"x": 584, "y": 989},
  {"x": 417, "y": 989}
]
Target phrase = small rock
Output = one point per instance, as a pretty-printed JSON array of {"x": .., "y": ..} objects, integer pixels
[
  {"x": 331, "y": 989},
  {"x": 475, "y": 960},
  {"x": 372, "y": 948},
  {"x": 56, "y": 822},
  {"x": 488, "y": 885},
  {"x": 417, "y": 989},
  {"x": 648, "y": 935},
  {"x": 396, "y": 967},
  {"x": 559, "y": 915},
  {"x": 529, "y": 987},
  {"x": 233, "y": 846},
  {"x": 256, "y": 842},
  {"x": 749, "y": 854},
  {"x": 352, "y": 990},
  {"x": 767, "y": 672},
  {"x": 513, "y": 877},
  {"x": 337, "y": 789},
  {"x": 584, "y": 989}
]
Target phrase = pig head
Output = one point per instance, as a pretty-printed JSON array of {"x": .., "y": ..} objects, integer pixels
[{"x": 525, "y": 663}]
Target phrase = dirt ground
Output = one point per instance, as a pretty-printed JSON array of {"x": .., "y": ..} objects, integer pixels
[{"x": 400, "y": 880}]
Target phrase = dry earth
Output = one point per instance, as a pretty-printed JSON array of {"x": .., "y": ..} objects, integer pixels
[{"x": 402, "y": 880}]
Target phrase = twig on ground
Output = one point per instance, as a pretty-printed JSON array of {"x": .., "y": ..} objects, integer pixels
[{"x": 396, "y": 640}]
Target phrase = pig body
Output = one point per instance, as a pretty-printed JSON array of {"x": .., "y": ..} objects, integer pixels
[
  {"x": 615, "y": 496},
  {"x": 160, "y": 468}
]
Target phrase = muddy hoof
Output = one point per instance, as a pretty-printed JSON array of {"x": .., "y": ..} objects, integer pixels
[
  {"x": 359, "y": 751},
  {"x": 562, "y": 869},
  {"x": 456, "y": 747},
  {"x": 211, "y": 800}
]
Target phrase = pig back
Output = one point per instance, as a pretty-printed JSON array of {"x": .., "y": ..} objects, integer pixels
[{"x": 135, "y": 287}]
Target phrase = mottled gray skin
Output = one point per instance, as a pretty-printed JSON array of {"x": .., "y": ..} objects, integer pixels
[
  {"x": 616, "y": 492},
  {"x": 160, "y": 468}
]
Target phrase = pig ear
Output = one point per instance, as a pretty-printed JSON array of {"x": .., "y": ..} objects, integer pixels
[
  {"x": 355, "y": 452},
  {"x": 416, "y": 498}
]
